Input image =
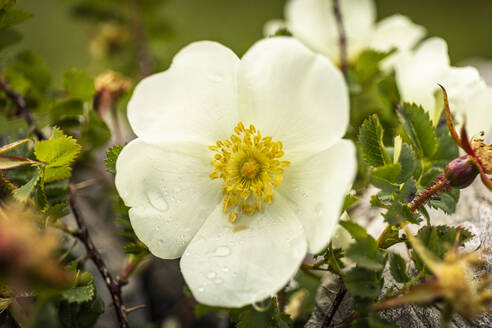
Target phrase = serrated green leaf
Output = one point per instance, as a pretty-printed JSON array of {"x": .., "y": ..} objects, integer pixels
[
  {"x": 398, "y": 268},
  {"x": 79, "y": 84},
  {"x": 371, "y": 141},
  {"x": 56, "y": 211},
  {"x": 23, "y": 193},
  {"x": 419, "y": 129},
  {"x": 57, "y": 173},
  {"x": 447, "y": 150},
  {"x": 399, "y": 213},
  {"x": 79, "y": 294},
  {"x": 363, "y": 282},
  {"x": 385, "y": 177},
  {"x": 355, "y": 230},
  {"x": 365, "y": 253},
  {"x": 408, "y": 163},
  {"x": 446, "y": 201},
  {"x": 408, "y": 191},
  {"x": 112, "y": 155},
  {"x": 58, "y": 150}
]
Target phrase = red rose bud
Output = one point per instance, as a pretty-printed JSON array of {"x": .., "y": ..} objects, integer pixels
[{"x": 461, "y": 172}]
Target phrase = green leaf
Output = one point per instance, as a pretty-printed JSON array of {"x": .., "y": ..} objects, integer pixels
[
  {"x": 399, "y": 213},
  {"x": 371, "y": 140},
  {"x": 33, "y": 68},
  {"x": 56, "y": 211},
  {"x": 23, "y": 193},
  {"x": 398, "y": 268},
  {"x": 408, "y": 191},
  {"x": 112, "y": 155},
  {"x": 408, "y": 163},
  {"x": 446, "y": 201},
  {"x": 79, "y": 84},
  {"x": 95, "y": 132},
  {"x": 253, "y": 318},
  {"x": 58, "y": 150},
  {"x": 9, "y": 37},
  {"x": 66, "y": 108},
  {"x": 367, "y": 65},
  {"x": 365, "y": 253},
  {"x": 356, "y": 231},
  {"x": 363, "y": 282},
  {"x": 385, "y": 177},
  {"x": 79, "y": 294},
  {"x": 419, "y": 129},
  {"x": 447, "y": 150}
]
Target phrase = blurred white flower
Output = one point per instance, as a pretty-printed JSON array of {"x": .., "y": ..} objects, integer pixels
[
  {"x": 313, "y": 22},
  {"x": 419, "y": 72},
  {"x": 242, "y": 225}
]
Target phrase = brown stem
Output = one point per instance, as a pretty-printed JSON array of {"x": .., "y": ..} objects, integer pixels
[
  {"x": 113, "y": 285},
  {"x": 82, "y": 234},
  {"x": 441, "y": 185},
  {"x": 334, "y": 306},
  {"x": 22, "y": 110},
  {"x": 342, "y": 39}
]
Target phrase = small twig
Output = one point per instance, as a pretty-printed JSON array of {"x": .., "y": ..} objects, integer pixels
[
  {"x": 20, "y": 103},
  {"x": 334, "y": 307},
  {"x": 94, "y": 254},
  {"x": 134, "y": 308},
  {"x": 342, "y": 39}
]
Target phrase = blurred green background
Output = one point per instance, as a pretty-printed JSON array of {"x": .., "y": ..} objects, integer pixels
[{"x": 63, "y": 41}]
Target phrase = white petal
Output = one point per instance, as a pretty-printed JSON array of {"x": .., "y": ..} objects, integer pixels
[
  {"x": 231, "y": 268},
  {"x": 196, "y": 98},
  {"x": 293, "y": 95},
  {"x": 313, "y": 22},
  {"x": 170, "y": 195},
  {"x": 418, "y": 73},
  {"x": 273, "y": 26},
  {"x": 478, "y": 112},
  {"x": 317, "y": 187},
  {"x": 395, "y": 32},
  {"x": 398, "y": 32}
]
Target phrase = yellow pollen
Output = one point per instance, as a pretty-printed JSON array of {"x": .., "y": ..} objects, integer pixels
[{"x": 250, "y": 167}]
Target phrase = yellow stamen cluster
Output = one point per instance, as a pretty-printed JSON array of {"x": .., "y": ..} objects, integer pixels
[
  {"x": 250, "y": 167},
  {"x": 484, "y": 153}
]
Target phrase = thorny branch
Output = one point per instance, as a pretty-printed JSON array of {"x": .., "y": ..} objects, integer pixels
[
  {"x": 113, "y": 285},
  {"x": 334, "y": 307},
  {"x": 342, "y": 39}
]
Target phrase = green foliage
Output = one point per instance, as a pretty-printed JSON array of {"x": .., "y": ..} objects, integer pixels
[
  {"x": 348, "y": 201},
  {"x": 418, "y": 129},
  {"x": 111, "y": 156},
  {"x": 398, "y": 268},
  {"x": 363, "y": 282},
  {"x": 59, "y": 151},
  {"x": 356, "y": 231},
  {"x": 371, "y": 143},
  {"x": 366, "y": 254},
  {"x": 23, "y": 193},
  {"x": 271, "y": 318},
  {"x": 79, "y": 84}
]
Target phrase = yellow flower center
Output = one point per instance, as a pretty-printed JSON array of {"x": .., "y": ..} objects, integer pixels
[{"x": 250, "y": 167}]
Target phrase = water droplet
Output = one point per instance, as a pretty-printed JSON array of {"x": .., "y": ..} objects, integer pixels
[
  {"x": 177, "y": 189},
  {"x": 200, "y": 289},
  {"x": 218, "y": 281},
  {"x": 215, "y": 77},
  {"x": 225, "y": 269},
  {"x": 318, "y": 209},
  {"x": 157, "y": 200},
  {"x": 211, "y": 275},
  {"x": 222, "y": 251}
]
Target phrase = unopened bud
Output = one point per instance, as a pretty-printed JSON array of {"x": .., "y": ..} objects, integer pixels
[{"x": 461, "y": 172}]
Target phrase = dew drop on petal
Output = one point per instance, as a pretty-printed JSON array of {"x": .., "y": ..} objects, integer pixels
[
  {"x": 211, "y": 275},
  {"x": 318, "y": 209},
  {"x": 156, "y": 200},
  {"x": 201, "y": 289},
  {"x": 218, "y": 281},
  {"x": 225, "y": 269},
  {"x": 222, "y": 251}
]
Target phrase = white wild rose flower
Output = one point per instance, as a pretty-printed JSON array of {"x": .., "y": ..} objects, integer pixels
[
  {"x": 418, "y": 73},
  {"x": 239, "y": 167},
  {"x": 313, "y": 23}
]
